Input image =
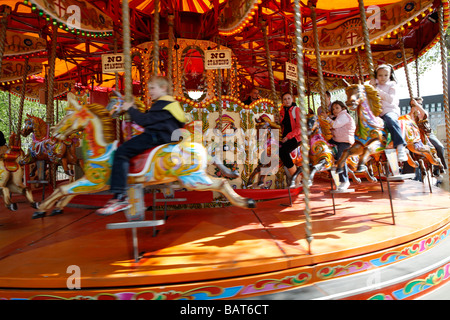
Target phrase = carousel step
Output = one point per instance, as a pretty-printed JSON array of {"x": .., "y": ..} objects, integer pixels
[
  {"x": 135, "y": 224},
  {"x": 428, "y": 270}
]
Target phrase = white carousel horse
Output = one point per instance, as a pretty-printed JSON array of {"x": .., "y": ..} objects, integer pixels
[{"x": 184, "y": 161}]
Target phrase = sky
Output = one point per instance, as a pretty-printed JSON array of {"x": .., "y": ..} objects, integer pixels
[{"x": 430, "y": 83}]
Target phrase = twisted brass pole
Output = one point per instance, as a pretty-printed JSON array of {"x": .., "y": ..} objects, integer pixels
[
  {"x": 50, "y": 96},
  {"x": 22, "y": 95},
  {"x": 170, "y": 19},
  {"x": 360, "y": 68},
  {"x": 127, "y": 51},
  {"x": 116, "y": 83},
  {"x": 417, "y": 76},
  {"x": 51, "y": 79},
  {"x": 305, "y": 140},
  {"x": 322, "y": 90},
  {"x": 368, "y": 48},
  {"x": 156, "y": 39},
  {"x": 444, "y": 78},
  {"x": 405, "y": 64},
  {"x": 269, "y": 63}
]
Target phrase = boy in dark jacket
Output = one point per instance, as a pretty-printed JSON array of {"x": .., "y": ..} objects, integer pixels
[{"x": 164, "y": 117}]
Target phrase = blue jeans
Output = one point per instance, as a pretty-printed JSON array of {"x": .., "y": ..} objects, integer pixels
[
  {"x": 341, "y": 146},
  {"x": 126, "y": 151},
  {"x": 392, "y": 126}
]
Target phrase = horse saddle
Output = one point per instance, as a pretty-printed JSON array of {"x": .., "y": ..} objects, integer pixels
[
  {"x": 10, "y": 159},
  {"x": 139, "y": 164}
]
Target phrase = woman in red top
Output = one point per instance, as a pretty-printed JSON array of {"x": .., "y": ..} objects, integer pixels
[{"x": 290, "y": 131}]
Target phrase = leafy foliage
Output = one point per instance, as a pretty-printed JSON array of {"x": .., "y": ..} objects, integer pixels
[{"x": 8, "y": 121}]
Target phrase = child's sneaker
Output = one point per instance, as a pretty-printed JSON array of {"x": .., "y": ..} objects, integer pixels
[
  {"x": 114, "y": 206},
  {"x": 344, "y": 186},
  {"x": 401, "y": 153}
]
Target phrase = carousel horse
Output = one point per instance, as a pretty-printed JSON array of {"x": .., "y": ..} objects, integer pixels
[
  {"x": 370, "y": 136},
  {"x": 11, "y": 174},
  {"x": 183, "y": 161},
  {"x": 320, "y": 151},
  {"x": 352, "y": 161},
  {"x": 425, "y": 131},
  {"x": 130, "y": 128},
  {"x": 263, "y": 123},
  {"x": 48, "y": 148}
]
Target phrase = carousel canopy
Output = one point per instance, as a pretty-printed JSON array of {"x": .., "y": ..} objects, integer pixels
[{"x": 87, "y": 29}]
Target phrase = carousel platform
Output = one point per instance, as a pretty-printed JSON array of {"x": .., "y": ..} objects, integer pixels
[{"x": 234, "y": 253}]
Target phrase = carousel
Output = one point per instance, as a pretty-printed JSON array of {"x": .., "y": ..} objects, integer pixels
[{"x": 215, "y": 214}]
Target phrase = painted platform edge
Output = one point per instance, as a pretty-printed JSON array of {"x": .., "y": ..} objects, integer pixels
[
  {"x": 411, "y": 289},
  {"x": 267, "y": 283}
]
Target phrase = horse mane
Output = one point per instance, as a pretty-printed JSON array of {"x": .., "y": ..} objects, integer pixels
[
  {"x": 104, "y": 116},
  {"x": 40, "y": 126},
  {"x": 374, "y": 100}
]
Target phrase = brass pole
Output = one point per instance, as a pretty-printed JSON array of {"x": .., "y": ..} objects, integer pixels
[
  {"x": 269, "y": 63},
  {"x": 322, "y": 90},
  {"x": 170, "y": 20},
  {"x": 156, "y": 39},
  {"x": 405, "y": 64},
  {"x": 51, "y": 79},
  {"x": 444, "y": 78},
  {"x": 417, "y": 76},
  {"x": 368, "y": 48},
  {"x": 127, "y": 51},
  {"x": 22, "y": 94},
  {"x": 305, "y": 140}
]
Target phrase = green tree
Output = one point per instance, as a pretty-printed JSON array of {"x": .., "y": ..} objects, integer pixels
[{"x": 30, "y": 107}]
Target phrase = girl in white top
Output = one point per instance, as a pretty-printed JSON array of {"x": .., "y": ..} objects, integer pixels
[
  {"x": 343, "y": 130},
  {"x": 386, "y": 85}
]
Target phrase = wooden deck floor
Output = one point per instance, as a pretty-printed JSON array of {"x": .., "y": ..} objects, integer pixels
[{"x": 197, "y": 245}]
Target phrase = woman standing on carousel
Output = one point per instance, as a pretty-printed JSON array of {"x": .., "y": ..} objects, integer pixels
[{"x": 290, "y": 131}]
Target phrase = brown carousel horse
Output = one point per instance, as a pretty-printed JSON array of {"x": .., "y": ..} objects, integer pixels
[
  {"x": 352, "y": 161},
  {"x": 11, "y": 174},
  {"x": 370, "y": 137},
  {"x": 44, "y": 147},
  {"x": 425, "y": 131},
  {"x": 320, "y": 153}
]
